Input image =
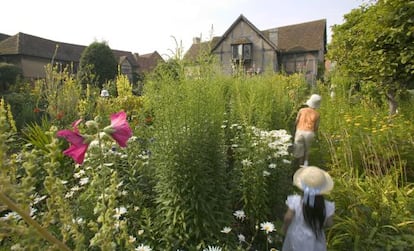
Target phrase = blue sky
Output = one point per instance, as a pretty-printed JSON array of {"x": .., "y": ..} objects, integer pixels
[{"x": 144, "y": 26}]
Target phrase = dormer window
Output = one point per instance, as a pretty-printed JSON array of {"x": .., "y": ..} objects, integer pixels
[{"x": 241, "y": 50}]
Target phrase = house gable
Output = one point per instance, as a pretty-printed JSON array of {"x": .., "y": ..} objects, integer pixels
[
  {"x": 243, "y": 23},
  {"x": 293, "y": 48},
  {"x": 245, "y": 46},
  {"x": 148, "y": 62}
]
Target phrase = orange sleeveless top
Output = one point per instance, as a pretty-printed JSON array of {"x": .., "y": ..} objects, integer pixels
[{"x": 307, "y": 119}]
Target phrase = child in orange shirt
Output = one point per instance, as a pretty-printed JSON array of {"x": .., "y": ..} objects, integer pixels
[{"x": 307, "y": 123}]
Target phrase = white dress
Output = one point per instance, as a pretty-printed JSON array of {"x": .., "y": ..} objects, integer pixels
[{"x": 299, "y": 237}]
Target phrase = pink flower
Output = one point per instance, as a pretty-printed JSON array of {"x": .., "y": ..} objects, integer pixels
[
  {"x": 78, "y": 146},
  {"x": 119, "y": 128}
]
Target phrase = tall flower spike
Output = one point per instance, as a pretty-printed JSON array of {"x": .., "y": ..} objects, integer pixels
[
  {"x": 78, "y": 146},
  {"x": 119, "y": 128}
]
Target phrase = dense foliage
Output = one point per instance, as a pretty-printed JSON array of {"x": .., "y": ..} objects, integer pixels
[
  {"x": 207, "y": 167},
  {"x": 97, "y": 65},
  {"x": 9, "y": 74},
  {"x": 374, "y": 47}
]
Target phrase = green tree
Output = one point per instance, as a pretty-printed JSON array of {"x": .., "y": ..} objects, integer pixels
[
  {"x": 9, "y": 74},
  {"x": 97, "y": 65},
  {"x": 375, "y": 47},
  {"x": 172, "y": 69}
]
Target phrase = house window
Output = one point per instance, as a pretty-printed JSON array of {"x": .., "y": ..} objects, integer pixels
[
  {"x": 247, "y": 51},
  {"x": 236, "y": 51},
  {"x": 241, "y": 52}
]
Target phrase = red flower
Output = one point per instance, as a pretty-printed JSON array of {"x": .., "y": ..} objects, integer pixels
[
  {"x": 78, "y": 146},
  {"x": 60, "y": 115},
  {"x": 36, "y": 110},
  {"x": 119, "y": 128}
]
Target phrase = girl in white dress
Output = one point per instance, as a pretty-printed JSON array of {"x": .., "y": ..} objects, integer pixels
[{"x": 307, "y": 215}]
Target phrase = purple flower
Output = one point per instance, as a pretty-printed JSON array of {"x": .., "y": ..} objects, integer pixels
[
  {"x": 119, "y": 128},
  {"x": 78, "y": 146}
]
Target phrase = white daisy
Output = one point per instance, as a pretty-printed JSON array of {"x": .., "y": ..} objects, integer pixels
[
  {"x": 226, "y": 230},
  {"x": 239, "y": 214},
  {"x": 119, "y": 212},
  {"x": 241, "y": 237},
  {"x": 267, "y": 226},
  {"x": 212, "y": 248},
  {"x": 143, "y": 247},
  {"x": 246, "y": 162}
]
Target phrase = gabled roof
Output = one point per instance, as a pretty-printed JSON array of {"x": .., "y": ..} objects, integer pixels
[
  {"x": 244, "y": 19},
  {"x": 147, "y": 62},
  {"x": 122, "y": 55},
  {"x": 29, "y": 45},
  {"x": 3, "y": 36},
  {"x": 309, "y": 36}
]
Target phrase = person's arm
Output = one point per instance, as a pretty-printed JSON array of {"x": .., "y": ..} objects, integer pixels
[
  {"x": 329, "y": 221},
  {"x": 287, "y": 219},
  {"x": 330, "y": 210},
  {"x": 297, "y": 119}
]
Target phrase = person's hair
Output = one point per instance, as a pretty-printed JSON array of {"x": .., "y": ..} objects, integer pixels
[{"x": 315, "y": 216}]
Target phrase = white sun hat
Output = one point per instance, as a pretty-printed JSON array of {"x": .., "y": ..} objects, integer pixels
[
  {"x": 314, "y": 101},
  {"x": 104, "y": 93},
  {"x": 313, "y": 179}
]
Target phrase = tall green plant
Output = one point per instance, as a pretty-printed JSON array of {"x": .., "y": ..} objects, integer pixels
[
  {"x": 373, "y": 213},
  {"x": 61, "y": 94},
  {"x": 268, "y": 102},
  {"x": 17, "y": 192},
  {"x": 192, "y": 198}
]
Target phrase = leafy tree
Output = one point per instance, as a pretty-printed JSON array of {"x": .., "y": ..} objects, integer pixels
[
  {"x": 375, "y": 47},
  {"x": 9, "y": 74},
  {"x": 97, "y": 65},
  {"x": 172, "y": 69}
]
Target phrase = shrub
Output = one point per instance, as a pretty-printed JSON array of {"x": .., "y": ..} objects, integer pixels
[
  {"x": 9, "y": 75},
  {"x": 97, "y": 65}
]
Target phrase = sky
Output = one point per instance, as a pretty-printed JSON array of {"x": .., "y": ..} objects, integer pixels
[{"x": 165, "y": 26}]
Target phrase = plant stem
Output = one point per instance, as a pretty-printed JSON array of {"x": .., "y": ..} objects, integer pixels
[{"x": 43, "y": 232}]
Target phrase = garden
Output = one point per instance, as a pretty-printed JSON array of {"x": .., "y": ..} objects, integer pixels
[
  {"x": 196, "y": 164},
  {"x": 204, "y": 161}
]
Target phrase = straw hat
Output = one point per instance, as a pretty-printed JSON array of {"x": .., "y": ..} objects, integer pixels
[
  {"x": 314, "y": 101},
  {"x": 313, "y": 178}
]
